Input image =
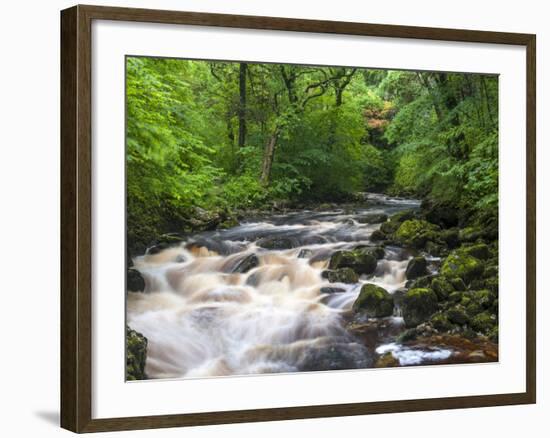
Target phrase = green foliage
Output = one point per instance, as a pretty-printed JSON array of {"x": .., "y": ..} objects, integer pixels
[{"x": 336, "y": 131}]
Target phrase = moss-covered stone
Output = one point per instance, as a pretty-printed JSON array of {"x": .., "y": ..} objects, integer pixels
[
  {"x": 402, "y": 216},
  {"x": 377, "y": 236},
  {"x": 373, "y": 218},
  {"x": 416, "y": 267},
  {"x": 461, "y": 265},
  {"x": 389, "y": 227},
  {"x": 435, "y": 249},
  {"x": 493, "y": 334},
  {"x": 418, "y": 305},
  {"x": 483, "y": 322},
  {"x": 416, "y": 232},
  {"x": 442, "y": 288},
  {"x": 484, "y": 298},
  {"x": 136, "y": 354},
  {"x": 387, "y": 360},
  {"x": 424, "y": 281},
  {"x": 361, "y": 261},
  {"x": 471, "y": 234},
  {"x": 450, "y": 237},
  {"x": 342, "y": 275},
  {"x": 458, "y": 283},
  {"x": 457, "y": 315},
  {"x": 441, "y": 323},
  {"x": 479, "y": 251},
  {"x": 375, "y": 301}
]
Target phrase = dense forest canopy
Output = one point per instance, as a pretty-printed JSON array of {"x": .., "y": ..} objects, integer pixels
[{"x": 229, "y": 135}]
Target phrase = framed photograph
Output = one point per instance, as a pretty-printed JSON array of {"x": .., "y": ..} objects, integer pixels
[{"x": 269, "y": 218}]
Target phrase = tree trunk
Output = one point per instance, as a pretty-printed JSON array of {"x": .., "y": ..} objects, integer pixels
[
  {"x": 242, "y": 103},
  {"x": 269, "y": 154}
]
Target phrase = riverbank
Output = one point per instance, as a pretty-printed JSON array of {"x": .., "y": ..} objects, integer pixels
[{"x": 380, "y": 282}]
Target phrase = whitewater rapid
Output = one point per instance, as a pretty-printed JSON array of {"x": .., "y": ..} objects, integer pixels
[{"x": 203, "y": 316}]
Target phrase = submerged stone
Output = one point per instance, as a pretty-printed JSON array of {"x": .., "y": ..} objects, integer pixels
[{"x": 251, "y": 261}]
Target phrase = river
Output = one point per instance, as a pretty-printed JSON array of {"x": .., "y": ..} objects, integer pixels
[{"x": 252, "y": 299}]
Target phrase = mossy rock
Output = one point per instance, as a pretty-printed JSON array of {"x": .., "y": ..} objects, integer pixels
[
  {"x": 403, "y": 216},
  {"x": 387, "y": 360},
  {"x": 435, "y": 249},
  {"x": 441, "y": 323},
  {"x": 458, "y": 283},
  {"x": 408, "y": 335},
  {"x": 471, "y": 234},
  {"x": 473, "y": 309},
  {"x": 457, "y": 315},
  {"x": 479, "y": 251},
  {"x": 389, "y": 227},
  {"x": 136, "y": 354},
  {"x": 463, "y": 266},
  {"x": 492, "y": 284},
  {"x": 417, "y": 267},
  {"x": 418, "y": 305},
  {"x": 342, "y": 275},
  {"x": 374, "y": 301},
  {"x": 484, "y": 298},
  {"x": 490, "y": 271},
  {"x": 373, "y": 218},
  {"x": 450, "y": 237},
  {"x": 416, "y": 232},
  {"x": 456, "y": 296},
  {"x": 361, "y": 261},
  {"x": 483, "y": 323},
  {"x": 493, "y": 334},
  {"x": 424, "y": 281},
  {"x": 377, "y": 236},
  {"x": 442, "y": 288}
]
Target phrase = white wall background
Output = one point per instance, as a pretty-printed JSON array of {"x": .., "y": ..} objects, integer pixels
[{"x": 29, "y": 194}]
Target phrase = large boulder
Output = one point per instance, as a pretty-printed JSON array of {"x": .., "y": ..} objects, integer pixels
[
  {"x": 418, "y": 306},
  {"x": 416, "y": 232},
  {"x": 462, "y": 265},
  {"x": 417, "y": 267},
  {"x": 136, "y": 354},
  {"x": 342, "y": 275},
  {"x": 362, "y": 261},
  {"x": 374, "y": 301}
]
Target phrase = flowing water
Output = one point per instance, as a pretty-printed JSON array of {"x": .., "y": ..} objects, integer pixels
[{"x": 205, "y": 314}]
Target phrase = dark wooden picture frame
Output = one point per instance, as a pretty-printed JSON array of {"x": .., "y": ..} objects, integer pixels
[{"x": 76, "y": 218}]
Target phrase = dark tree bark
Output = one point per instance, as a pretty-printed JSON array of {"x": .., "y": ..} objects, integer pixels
[
  {"x": 242, "y": 103},
  {"x": 269, "y": 154}
]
